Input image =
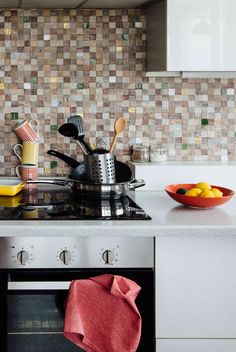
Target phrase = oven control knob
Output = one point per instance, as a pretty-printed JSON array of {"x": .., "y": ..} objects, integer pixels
[
  {"x": 65, "y": 257},
  {"x": 108, "y": 256},
  {"x": 23, "y": 257}
]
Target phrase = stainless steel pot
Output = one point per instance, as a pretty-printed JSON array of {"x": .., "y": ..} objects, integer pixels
[{"x": 95, "y": 190}]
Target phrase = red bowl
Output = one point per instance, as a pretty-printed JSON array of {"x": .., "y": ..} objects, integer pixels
[{"x": 198, "y": 202}]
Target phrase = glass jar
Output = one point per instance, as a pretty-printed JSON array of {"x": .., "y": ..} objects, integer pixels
[
  {"x": 140, "y": 153},
  {"x": 158, "y": 153}
]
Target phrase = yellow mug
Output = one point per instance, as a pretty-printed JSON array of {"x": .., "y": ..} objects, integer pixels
[{"x": 27, "y": 152}]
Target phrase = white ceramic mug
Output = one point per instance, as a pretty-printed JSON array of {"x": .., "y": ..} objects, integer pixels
[
  {"x": 27, "y": 152},
  {"x": 28, "y": 130}
]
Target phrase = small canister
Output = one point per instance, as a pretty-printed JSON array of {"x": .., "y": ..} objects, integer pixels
[
  {"x": 140, "y": 153},
  {"x": 158, "y": 153}
]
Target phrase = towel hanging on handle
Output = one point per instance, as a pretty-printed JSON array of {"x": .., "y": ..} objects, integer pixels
[{"x": 101, "y": 314}]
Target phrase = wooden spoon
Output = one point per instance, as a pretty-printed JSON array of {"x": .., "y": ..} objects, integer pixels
[{"x": 119, "y": 126}]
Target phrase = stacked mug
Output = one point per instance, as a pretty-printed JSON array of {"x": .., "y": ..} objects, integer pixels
[{"x": 28, "y": 151}]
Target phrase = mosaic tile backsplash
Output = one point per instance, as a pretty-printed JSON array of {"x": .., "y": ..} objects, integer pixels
[{"x": 58, "y": 63}]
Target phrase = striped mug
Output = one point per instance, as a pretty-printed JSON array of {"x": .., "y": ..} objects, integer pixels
[{"x": 28, "y": 131}]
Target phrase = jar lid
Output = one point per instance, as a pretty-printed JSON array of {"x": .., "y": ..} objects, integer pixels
[
  {"x": 158, "y": 147},
  {"x": 140, "y": 147}
]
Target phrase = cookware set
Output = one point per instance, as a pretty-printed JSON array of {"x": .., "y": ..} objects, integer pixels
[
  {"x": 123, "y": 172},
  {"x": 101, "y": 176},
  {"x": 100, "y": 167}
]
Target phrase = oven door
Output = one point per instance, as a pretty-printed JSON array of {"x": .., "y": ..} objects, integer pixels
[{"x": 33, "y": 308}]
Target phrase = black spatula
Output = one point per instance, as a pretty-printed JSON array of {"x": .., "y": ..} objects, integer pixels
[{"x": 77, "y": 120}]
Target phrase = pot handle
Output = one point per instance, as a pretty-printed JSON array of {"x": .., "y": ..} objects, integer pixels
[
  {"x": 68, "y": 160},
  {"x": 60, "y": 182},
  {"x": 136, "y": 184}
]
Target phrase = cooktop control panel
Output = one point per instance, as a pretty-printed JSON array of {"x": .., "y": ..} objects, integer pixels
[{"x": 76, "y": 252}]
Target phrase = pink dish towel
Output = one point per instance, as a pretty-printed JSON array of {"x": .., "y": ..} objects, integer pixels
[{"x": 101, "y": 315}]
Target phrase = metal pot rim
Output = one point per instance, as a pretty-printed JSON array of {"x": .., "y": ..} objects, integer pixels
[{"x": 99, "y": 184}]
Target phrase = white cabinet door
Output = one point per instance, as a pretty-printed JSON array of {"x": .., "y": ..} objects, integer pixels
[
  {"x": 196, "y": 345},
  {"x": 196, "y": 287},
  {"x": 201, "y": 35}
]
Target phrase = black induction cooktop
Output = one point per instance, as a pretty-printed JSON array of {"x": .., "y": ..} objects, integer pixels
[{"x": 51, "y": 204}]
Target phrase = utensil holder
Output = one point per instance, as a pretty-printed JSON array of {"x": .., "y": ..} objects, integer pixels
[{"x": 100, "y": 168}]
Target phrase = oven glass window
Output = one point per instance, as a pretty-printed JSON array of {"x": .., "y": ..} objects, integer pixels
[{"x": 35, "y": 323}]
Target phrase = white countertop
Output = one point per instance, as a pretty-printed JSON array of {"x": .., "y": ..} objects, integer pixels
[{"x": 168, "y": 219}]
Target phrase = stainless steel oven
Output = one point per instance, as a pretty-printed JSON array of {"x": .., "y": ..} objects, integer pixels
[{"x": 35, "y": 274}]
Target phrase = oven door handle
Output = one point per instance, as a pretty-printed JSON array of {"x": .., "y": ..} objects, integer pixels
[{"x": 38, "y": 285}]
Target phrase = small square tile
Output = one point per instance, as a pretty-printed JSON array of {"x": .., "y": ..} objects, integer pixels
[
  {"x": 230, "y": 91},
  {"x": 33, "y": 80},
  {"x": 197, "y": 140},
  {"x": 204, "y": 122},
  {"x": 53, "y": 164},
  {"x": 27, "y": 85},
  {"x": 184, "y": 146},
  {"x": 7, "y": 31},
  {"x": 171, "y": 91},
  {"x": 125, "y": 36},
  {"x": 132, "y": 109},
  {"x": 86, "y": 25},
  {"x": 47, "y": 170},
  {"x": 26, "y": 19},
  {"x": 14, "y": 115},
  {"x": 53, "y": 79},
  {"x": 165, "y": 85},
  {"x": 138, "y": 86},
  {"x": 46, "y": 37},
  {"x": 53, "y": 128},
  {"x": 112, "y": 79},
  {"x": 138, "y": 25},
  {"x": 80, "y": 85}
]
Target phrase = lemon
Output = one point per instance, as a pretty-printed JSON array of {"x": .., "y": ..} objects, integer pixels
[
  {"x": 207, "y": 193},
  {"x": 193, "y": 192},
  {"x": 203, "y": 185},
  {"x": 217, "y": 192}
]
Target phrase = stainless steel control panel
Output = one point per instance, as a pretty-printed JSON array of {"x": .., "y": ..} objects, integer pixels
[{"x": 76, "y": 252}]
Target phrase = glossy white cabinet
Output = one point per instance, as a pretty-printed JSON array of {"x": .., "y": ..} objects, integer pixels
[
  {"x": 195, "y": 36},
  {"x": 201, "y": 35},
  {"x": 196, "y": 294}
]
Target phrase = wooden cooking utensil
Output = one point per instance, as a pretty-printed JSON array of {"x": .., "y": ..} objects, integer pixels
[{"x": 119, "y": 126}]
